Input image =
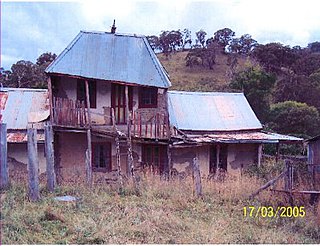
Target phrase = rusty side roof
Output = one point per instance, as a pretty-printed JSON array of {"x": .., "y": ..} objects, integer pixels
[
  {"x": 115, "y": 57},
  {"x": 244, "y": 137},
  {"x": 19, "y": 105},
  {"x": 211, "y": 111}
]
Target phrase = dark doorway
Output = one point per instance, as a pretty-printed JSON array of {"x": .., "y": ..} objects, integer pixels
[
  {"x": 155, "y": 157},
  {"x": 218, "y": 153}
]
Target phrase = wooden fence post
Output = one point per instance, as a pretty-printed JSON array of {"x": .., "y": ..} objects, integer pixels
[
  {"x": 33, "y": 165},
  {"x": 197, "y": 177},
  {"x": 3, "y": 156},
  {"x": 51, "y": 176}
]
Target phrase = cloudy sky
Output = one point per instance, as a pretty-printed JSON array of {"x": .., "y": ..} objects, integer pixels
[{"x": 29, "y": 29}]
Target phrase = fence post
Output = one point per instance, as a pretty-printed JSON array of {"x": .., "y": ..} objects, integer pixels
[
  {"x": 33, "y": 165},
  {"x": 3, "y": 156},
  {"x": 51, "y": 176},
  {"x": 197, "y": 177}
]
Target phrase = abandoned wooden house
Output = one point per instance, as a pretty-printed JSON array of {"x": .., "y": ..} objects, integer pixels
[
  {"x": 220, "y": 129},
  {"x": 108, "y": 96},
  {"x": 20, "y": 108}
]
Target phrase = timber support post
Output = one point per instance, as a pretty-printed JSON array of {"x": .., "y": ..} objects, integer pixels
[
  {"x": 197, "y": 177},
  {"x": 3, "y": 156},
  {"x": 117, "y": 140},
  {"x": 89, "y": 140},
  {"x": 130, "y": 165},
  {"x": 49, "y": 150},
  {"x": 259, "y": 155},
  {"x": 33, "y": 165}
]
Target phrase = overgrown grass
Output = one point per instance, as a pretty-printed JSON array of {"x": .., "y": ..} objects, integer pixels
[{"x": 158, "y": 212}]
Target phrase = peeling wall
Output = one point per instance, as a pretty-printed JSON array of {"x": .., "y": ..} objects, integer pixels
[
  {"x": 241, "y": 156},
  {"x": 72, "y": 149},
  {"x": 18, "y": 157},
  {"x": 182, "y": 159}
]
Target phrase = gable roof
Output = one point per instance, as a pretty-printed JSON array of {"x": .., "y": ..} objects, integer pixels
[
  {"x": 19, "y": 106},
  {"x": 115, "y": 57},
  {"x": 211, "y": 111}
]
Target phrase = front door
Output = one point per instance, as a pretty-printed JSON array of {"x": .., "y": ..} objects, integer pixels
[{"x": 118, "y": 102}]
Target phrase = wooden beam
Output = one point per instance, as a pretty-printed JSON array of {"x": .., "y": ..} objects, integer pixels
[
  {"x": 269, "y": 183},
  {"x": 259, "y": 155},
  {"x": 3, "y": 157},
  {"x": 33, "y": 165},
  {"x": 217, "y": 157},
  {"x": 130, "y": 166},
  {"x": 50, "y": 99},
  {"x": 49, "y": 150},
  {"x": 197, "y": 177},
  {"x": 89, "y": 140},
  {"x": 278, "y": 152}
]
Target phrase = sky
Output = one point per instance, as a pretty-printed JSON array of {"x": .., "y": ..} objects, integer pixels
[{"x": 29, "y": 29}]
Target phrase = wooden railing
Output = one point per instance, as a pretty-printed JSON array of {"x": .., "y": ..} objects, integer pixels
[
  {"x": 156, "y": 126},
  {"x": 144, "y": 124},
  {"x": 69, "y": 113}
]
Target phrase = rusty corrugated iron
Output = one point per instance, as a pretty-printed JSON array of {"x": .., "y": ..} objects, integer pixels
[
  {"x": 22, "y": 137},
  {"x": 113, "y": 57},
  {"x": 20, "y": 107},
  {"x": 243, "y": 137},
  {"x": 211, "y": 111}
]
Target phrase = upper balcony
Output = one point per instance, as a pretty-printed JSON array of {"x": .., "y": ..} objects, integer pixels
[{"x": 146, "y": 123}]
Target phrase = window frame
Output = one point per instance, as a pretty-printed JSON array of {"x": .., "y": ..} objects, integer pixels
[
  {"x": 81, "y": 92},
  {"x": 153, "y": 93},
  {"x": 108, "y": 168}
]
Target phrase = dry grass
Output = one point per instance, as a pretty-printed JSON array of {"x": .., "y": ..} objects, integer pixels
[{"x": 157, "y": 212}]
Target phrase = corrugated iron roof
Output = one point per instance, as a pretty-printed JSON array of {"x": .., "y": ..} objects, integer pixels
[
  {"x": 211, "y": 111},
  {"x": 244, "y": 137},
  {"x": 115, "y": 57},
  {"x": 20, "y": 106}
]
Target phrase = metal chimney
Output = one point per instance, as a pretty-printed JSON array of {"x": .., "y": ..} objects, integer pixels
[{"x": 113, "y": 28}]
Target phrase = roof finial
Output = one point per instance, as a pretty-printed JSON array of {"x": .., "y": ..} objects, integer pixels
[{"x": 113, "y": 28}]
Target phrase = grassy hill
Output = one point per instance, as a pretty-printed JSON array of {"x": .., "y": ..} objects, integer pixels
[{"x": 199, "y": 78}]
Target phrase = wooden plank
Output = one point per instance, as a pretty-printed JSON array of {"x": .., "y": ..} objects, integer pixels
[
  {"x": 269, "y": 183},
  {"x": 33, "y": 165},
  {"x": 130, "y": 166},
  {"x": 89, "y": 158},
  {"x": 3, "y": 157},
  {"x": 49, "y": 150},
  {"x": 259, "y": 155},
  {"x": 50, "y": 99},
  {"x": 197, "y": 177}
]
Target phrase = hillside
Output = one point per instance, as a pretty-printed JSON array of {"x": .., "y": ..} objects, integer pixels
[{"x": 198, "y": 78}]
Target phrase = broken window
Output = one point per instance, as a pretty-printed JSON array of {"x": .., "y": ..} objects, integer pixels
[
  {"x": 148, "y": 97},
  {"x": 218, "y": 153},
  {"x": 101, "y": 157}
]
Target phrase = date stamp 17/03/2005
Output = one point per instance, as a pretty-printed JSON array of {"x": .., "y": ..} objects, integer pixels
[{"x": 271, "y": 212}]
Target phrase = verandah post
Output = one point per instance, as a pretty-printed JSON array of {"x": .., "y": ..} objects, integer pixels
[
  {"x": 33, "y": 165},
  {"x": 89, "y": 150},
  {"x": 3, "y": 156},
  {"x": 49, "y": 150}
]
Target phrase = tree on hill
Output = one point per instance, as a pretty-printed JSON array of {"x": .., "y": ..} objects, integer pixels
[
  {"x": 314, "y": 47},
  {"x": 153, "y": 41},
  {"x": 243, "y": 45},
  {"x": 292, "y": 117},
  {"x": 201, "y": 38},
  {"x": 27, "y": 74},
  {"x": 186, "y": 38},
  {"x": 307, "y": 64},
  {"x": 257, "y": 86},
  {"x": 223, "y": 36},
  {"x": 170, "y": 41},
  {"x": 274, "y": 56}
]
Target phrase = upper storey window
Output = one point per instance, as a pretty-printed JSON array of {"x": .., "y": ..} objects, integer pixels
[{"x": 148, "y": 97}]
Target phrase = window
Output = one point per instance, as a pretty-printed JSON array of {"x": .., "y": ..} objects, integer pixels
[
  {"x": 81, "y": 92},
  {"x": 154, "y": 156},
  {"x": 148, "y": 97},
  {"x": 101, "y": 157},
  {"x": 118, "y": 102}
]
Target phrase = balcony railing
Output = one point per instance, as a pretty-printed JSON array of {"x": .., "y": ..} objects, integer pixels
[
  {"x": 69, "y": 113},
  {"x": 144, "y": 124}
]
